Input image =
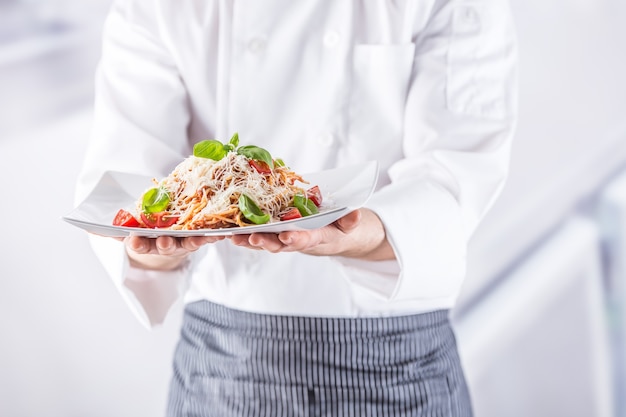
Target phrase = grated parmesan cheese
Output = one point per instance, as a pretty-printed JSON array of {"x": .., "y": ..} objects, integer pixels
[{"x": 204, "y": 193}]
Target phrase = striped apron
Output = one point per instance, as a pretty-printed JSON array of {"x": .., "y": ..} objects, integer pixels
[{"x": 235, "y": 363}]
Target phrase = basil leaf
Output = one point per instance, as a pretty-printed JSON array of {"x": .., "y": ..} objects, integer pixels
[
  {"x": 210, "y": 149},
  {"x": 305, "y": 206},
  {"x": 233, "y": 143},
  {"x": 155, "y": 200},
  {"x": 279, "y": 162},
  {"x": 256, "y": 153},
  {"x": 251, "y": 211},
  {"x": 234, "y": 140}
]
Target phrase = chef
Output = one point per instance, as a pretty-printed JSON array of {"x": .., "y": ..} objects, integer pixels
[{"x": 350, "y": 319}]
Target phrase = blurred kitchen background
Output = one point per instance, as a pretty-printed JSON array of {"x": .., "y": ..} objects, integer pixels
[{"x": 541, "y": 322}]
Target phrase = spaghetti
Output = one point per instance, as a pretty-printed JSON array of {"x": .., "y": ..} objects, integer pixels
[
  {"x": 222, "y": 186},
  {"x": 204, "y": 193}
]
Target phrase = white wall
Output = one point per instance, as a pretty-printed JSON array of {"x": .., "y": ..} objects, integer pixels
[
  {"x": 571, "y": 134},
  {"x": 68, "y": 344},
  {"x": 536, "y": 351}
]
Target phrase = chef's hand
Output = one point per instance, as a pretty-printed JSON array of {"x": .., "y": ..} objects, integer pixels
[
  {"x": 359, "y": 234},
  {"x": 164, "y": 252}
]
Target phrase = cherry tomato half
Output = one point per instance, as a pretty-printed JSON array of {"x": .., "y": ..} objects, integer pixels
[
  {"x": 260, "y": 166},
  {"x": 315, "y": 195},
  {"x": 160, "y": 219},
  {"x": 125, "y": 218},
  {"x": 293, "y": 213}
]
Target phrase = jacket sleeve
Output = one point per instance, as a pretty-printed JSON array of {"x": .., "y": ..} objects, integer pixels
[
  {"x": 458, "y": 127},
  {"x": 140, "y": 126}
]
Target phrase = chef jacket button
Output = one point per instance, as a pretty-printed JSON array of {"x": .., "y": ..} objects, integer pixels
[
  {"x": 468, "y": 19},
  {"x": 256, "y": 45},
  {"x": 470, "y": 16},
  {"x": 326, "y": 140},
  {"x": 331, "y": 39}
]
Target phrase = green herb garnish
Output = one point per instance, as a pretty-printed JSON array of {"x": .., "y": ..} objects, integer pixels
[
  {"x": 256, "y": 153},
  {"x": 210, "y": 149},
  {"x": 155, "y": 200},
  {"x": 251, "y": 211},
  {"x": 216, "y": 150},
  {"x": 305, "y": 206}
]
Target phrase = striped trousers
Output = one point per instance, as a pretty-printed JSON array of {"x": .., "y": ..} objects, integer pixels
[{"x": 235, "y": 363}]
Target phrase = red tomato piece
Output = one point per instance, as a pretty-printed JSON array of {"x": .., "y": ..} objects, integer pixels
[
  {"x": 167, "y": 220},
  {"x": 260, "y": 166},
  {"x": 158, "y": 220},
  {"x": 149, "y": 220},
  {"x": 125, "y": 218},
  {"x": 293, "y": 213},
  {"x": 315, "y": 195}
]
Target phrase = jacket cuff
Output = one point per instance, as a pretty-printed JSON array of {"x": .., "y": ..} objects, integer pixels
[
  {"x": 430, "y": 244},
  {"x": 149, "y": 294}
]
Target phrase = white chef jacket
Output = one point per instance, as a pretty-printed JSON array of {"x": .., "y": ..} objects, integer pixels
[{"x": 425, "y": 87}]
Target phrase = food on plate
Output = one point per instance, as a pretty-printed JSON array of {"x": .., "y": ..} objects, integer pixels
[{"x": 223, "y": 185}]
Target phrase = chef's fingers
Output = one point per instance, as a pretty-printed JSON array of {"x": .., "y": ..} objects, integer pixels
[
  {"x": 302, "y": 240},
  {"x": 166, "y": 245},
  {"x": 194, "y": 243},
  {"x": 349, "y": 222},
  {"x": 139, "y": 244},
  {"x": 266, "y": 241}
]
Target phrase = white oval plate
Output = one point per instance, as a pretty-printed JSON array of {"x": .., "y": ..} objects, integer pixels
[{"x": 344, "y": 189}]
